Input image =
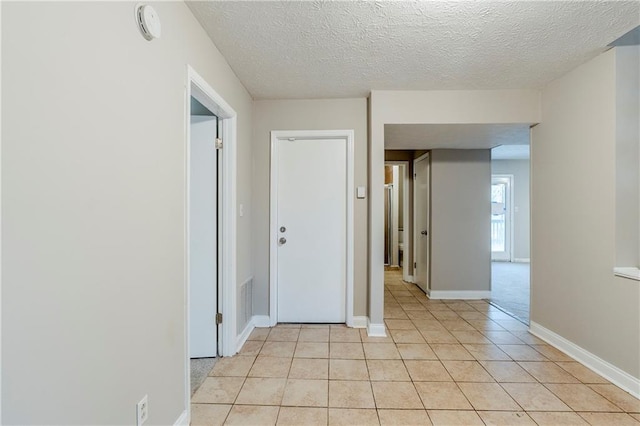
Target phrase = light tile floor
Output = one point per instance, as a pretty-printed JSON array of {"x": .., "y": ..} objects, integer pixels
[{"x": 444, "y": 363}]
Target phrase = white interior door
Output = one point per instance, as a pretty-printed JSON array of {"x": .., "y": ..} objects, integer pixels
[
  {"x": 311, "y": 219},
  {"x": 203, "y": 239},
  {"x": 421, "y": 217}
]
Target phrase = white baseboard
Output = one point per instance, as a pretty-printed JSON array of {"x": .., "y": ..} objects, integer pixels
[
  {"x": 262, "y": 321},
  {"x": 183, "y": 420},
  {"x": 462, "y": 295},
  {"x": 242, "y": 337},
  {"x": 409, "y": 278},
  {"x": 609, "y": 371},
  {"x": 359, "y": 322},
  {"x": 375, "y": 330},
  {"x": 521, "y": 260}
]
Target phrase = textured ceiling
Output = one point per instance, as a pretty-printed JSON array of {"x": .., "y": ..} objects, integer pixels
[
  {"x": 318, "y": 49},
  {"x": 454, "y": 136}
]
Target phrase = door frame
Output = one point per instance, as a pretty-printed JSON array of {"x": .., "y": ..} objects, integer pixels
[
  {"x": 197, "y": 87},
  {"x": 407, "y": 227},
  {"x": 276, "y": 135},
  {"x": 426, "y": 156},
  {"x": 510, "y": 204}
]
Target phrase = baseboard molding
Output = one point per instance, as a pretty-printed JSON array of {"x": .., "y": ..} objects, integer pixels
[
  {"x": 409, "y": 278},
  {"x": 609, "y": 371},
  {"x": 462, "y": 295},
  {"x": 242, "y": 338},
  {"x": 521, "y": 260},
  {"x": 375, "y": 330},
  {"x": 183, "y": 420},
  {"x": 359, "y": 322},
  {"x": 262, "y": 321}
]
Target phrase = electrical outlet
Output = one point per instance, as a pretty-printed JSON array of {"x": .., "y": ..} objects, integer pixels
[{"x": 142, "y": 410}]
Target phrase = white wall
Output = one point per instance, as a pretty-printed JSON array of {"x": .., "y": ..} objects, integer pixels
[
  {"x": 521, "y": 217},
  {"x": 93, "y": 190},
  {"x": 573, "y": 161},
  {"x": 324, "y": 114},
  {"x": 460, "y": 217}
]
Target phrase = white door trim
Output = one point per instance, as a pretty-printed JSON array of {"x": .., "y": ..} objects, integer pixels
[
  {"x": 406, "y": 276},
  {"x": 348, "y": 135},
  {"x": 424, "y": 156},
  {"x": 197, "y": 87}
]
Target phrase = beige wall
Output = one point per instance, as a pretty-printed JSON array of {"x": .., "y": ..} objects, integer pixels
[
  {"x": 93, "y": 190},
  {"x": 573, "y": 158},
  {"x": 460, "y": 217},
  {"x": 330, "y": 114},
  {"x": 521, "y": 218}
]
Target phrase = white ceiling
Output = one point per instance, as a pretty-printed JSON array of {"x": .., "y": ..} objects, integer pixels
[
  {"x": 317, "y": 49},
  {"x": 454, "y": 136},
  {"x": 510, "y": 152}
]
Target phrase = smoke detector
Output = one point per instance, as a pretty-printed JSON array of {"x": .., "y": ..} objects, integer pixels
[{"x": 148, "y": 21}]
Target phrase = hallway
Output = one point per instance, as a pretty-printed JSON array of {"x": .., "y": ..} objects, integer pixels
[{"x": 444, "y": 363}]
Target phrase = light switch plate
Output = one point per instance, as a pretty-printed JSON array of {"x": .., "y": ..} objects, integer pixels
[{"x": 361, "y": 192}]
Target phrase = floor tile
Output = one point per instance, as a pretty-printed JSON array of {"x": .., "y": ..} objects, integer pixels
[
  {"x": 522, "y": 353},
  {"x": 534, "y": 397},
  {"x": 306, "y": 393},
  {"x": 635, "y": 416},
  {"x": 387, "y": 370},
  {"x": 557, "y": 419},
  {"x": 400, "y": 395},
  {"x": 398, "y": 324},
  {"x": 483, "y": 352},
  {"x": 547, "y": 372},
  {"x": 454, "y": 418},
  {"x": 348, "y": 369},
  {"x": 552, "y": 353},
  {"x": 420, "y": 315},
  {"x": 438, "y": 336},
  {"x": 366, "y": 339},
  {"x": 218, "y": 390},
  {"x": 470, "y": 337},
  {"x": 582, "y": 373},
  {"x": 251, "y": 348},
  {"x": 582, "y": 398},
  {"x": 507, "y": 372},
  {"x": 350, "y": 394},
  {"x": 307, "y": 368},
  {"x": 312, "y": 350},
  {"x": 267, "y": 366},
  {"x": 428, "y": 324},
  {"x": 252, "y": 415},
  {"x": 488, "y": 396},
  {"x": 506, "y": 418},
  {"x": 445, "y": 314},
  {"x": 467, "y": 371},
  {"x": 278, "y": 349},
  {"x": 259, "y": 334},
  {"x": 484, "y": 325},
  {"x": 608, "y": 419},
  {"x": 351, "y": 417},
  {"x": 283, "y": 334},
  {"x": 457, "y": 325},
  {"x": 209, "y": 414},
  {"x": 416, "y": 351},
  {"x": 262, "y": 391},
  {"x": 427, "y": 371},
  {"x": 340, "y": 350},
  {"x": 238, "y": 366},
  {"x": 403, "y": 417},
  {"x": 502, "y": 338},
  {"x": 455, "y": 352},
  {"x": 296, "y": 416},
  {"x": 622, "y": 399},
  {"x": 381, "y": 351},
  {"x": 406, "y": 336},
  {"x": 442, "y": 396},
  {"x": 314, "y": 335},
  {"x": 344, "y": 335}
]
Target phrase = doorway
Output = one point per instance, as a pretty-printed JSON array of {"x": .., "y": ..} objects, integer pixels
[
  {"x": 311, "y": 250},
  {"x": 397, "y": 226},
  {"x": 501, "y": 217},
  {"x": 421, "y": 230}
]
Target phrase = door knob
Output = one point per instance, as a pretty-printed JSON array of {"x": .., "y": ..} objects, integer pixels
[
  {"x": 282, "y": 240},
  {"x": 424, "y": 232}
]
